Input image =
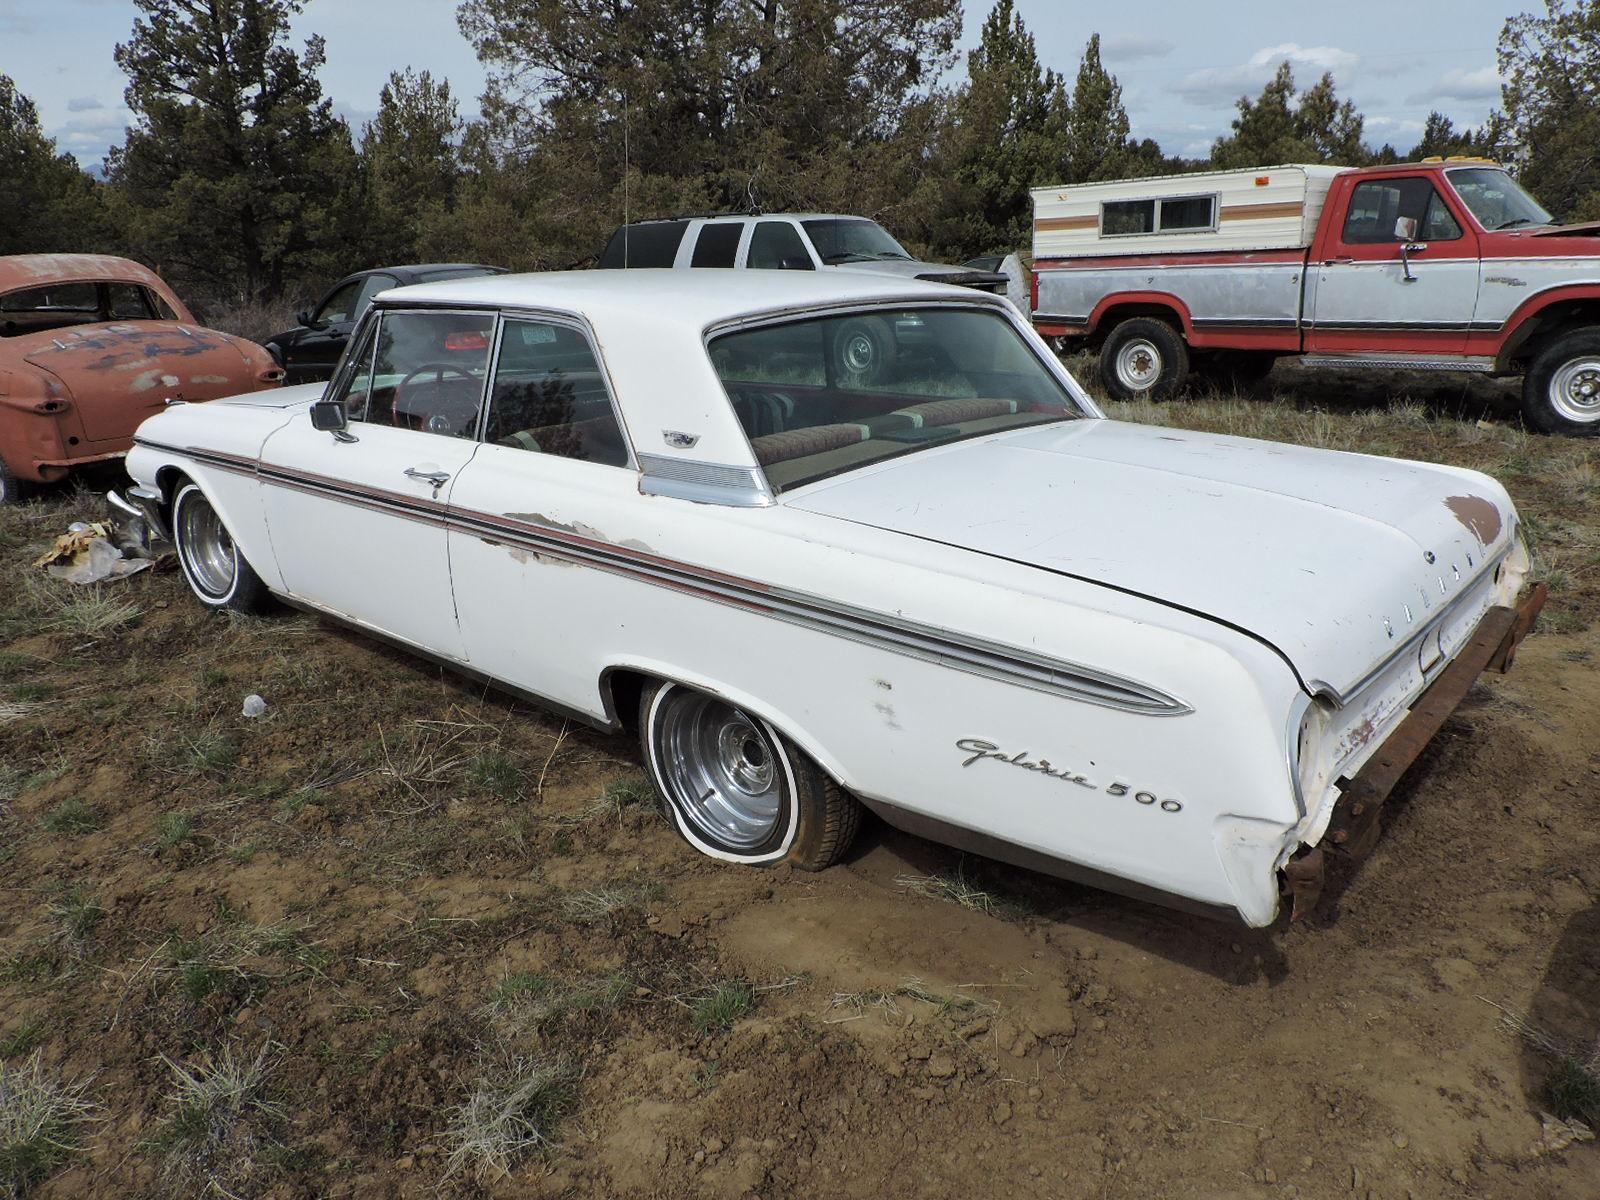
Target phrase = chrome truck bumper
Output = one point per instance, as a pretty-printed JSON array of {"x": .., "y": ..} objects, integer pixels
[
  {"x": 1353, "y": 830},
  {"x": 143, "y": 504}
]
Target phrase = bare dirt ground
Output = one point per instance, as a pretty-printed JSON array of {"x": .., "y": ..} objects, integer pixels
[{"x": 334, "y": 950}]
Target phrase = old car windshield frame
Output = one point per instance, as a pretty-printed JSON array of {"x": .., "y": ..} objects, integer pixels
[
  {"x": 1075, "y": 404},
  {"x": 1522, "y": 211}
]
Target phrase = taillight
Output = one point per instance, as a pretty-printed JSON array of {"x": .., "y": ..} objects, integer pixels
[{"x": 470, "y": 340}]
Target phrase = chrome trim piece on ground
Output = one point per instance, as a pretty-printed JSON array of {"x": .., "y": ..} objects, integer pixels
[{"x": 971, "y": 655}]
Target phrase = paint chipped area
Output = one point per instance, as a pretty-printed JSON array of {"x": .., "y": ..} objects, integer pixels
[{"x": 1480, "y": 517}]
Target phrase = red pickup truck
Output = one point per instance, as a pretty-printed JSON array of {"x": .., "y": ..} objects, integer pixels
[{"x": 1436, "y": 266}]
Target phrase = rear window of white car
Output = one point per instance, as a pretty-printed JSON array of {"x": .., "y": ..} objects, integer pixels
[{"x": 828, "y": 394}]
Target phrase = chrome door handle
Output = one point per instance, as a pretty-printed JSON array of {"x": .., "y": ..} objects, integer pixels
[{"x": 437, "y": 478}]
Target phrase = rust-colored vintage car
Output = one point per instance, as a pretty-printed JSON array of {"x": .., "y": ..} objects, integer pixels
[{"x": 91, "y": 345}]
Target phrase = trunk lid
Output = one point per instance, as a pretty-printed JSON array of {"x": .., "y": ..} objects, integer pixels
[
  {"x": 1324, "y": 555},
  {"x": 118, "y": 374}
]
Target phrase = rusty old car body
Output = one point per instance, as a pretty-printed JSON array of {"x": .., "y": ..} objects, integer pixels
[{"x": 91, "y": 345}]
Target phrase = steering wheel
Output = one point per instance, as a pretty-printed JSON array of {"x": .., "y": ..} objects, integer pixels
[{"x": 437, "y": 421}]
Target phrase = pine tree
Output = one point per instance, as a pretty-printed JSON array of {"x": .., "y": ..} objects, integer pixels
[
  {"x": 48, "y": 202},
  {"x": 410, "y": 163},
  {"x": 236, "y": 178},
  {"x": 1097, "y": 130},
  {"x": 1278, "y": 128},
  {"x": 1551, "y": 125}
]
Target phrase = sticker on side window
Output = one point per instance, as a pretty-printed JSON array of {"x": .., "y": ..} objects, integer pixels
[{"x": 533, "y": 335}]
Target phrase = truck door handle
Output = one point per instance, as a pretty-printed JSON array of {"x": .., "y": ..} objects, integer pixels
[
  {"x": 437, "y": 478},
  {"x": 1343, "y": 258}
]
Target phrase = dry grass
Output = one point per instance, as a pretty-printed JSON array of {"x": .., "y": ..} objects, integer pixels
[
  {"x": 94, "y": 611},
  {"x": 220, "y": 1130},
  {"x": 42, "y": 1123},
  {"x": 510, "y": 1112}
]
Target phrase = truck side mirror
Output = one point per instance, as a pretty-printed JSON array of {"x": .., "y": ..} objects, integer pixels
[
  {"x": 1405, "y": 229},
  {"x": 303, "y": 317}
]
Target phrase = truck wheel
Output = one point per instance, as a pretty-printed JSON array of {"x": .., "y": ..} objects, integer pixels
[
  {"x": 1144, "y": 357},
  {"x": 213, "y": 564},
  {"x": 1561, "y": 391},
  {"x": 737, "y": 789}
]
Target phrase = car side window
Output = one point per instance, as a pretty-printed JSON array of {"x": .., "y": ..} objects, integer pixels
[
  {"x": 428, "y": 371},
  {"x": 341, "y": 306},
  {"x": 550, "y": 397},
  {"x": 1377, "y": 204},
  {"x": 370, "y": 287},
  {"x": 776, "y": 246},
  {"x": 128, "y": 302},
  {"x": 717, "y": 244}
]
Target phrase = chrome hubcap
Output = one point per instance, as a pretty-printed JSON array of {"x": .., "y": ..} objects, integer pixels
[
  {"x": 1138, "y": 365},
  {"x": 207, "y": 549},
  {"x": 1575, "y": 390},
  {"x": 720, "y": 768}
]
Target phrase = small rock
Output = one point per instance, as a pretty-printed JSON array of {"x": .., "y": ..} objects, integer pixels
[
  {"x": 1034, "y": 1171},
  {"x": 1035, "y": 1092},
  {"x": 1002, "y": 1113},
  {"x": 1457, "y": 1175},
  {"x": 1355, "y": 1178},
  {"x": 243, "y": 1015},
  {"x": 1401, "y": 1141},
  {"x": 920, "y": 1053},
  {"x": 1270, "y": 1176},
  {"x": 406, "y": 1161},
  {"x": 641, "y": 992},
  {"x": 699, "y": 1157},
  {"x": 895, "y": 1069},
  {"x": 941, "y": 1066},
  {"x": 1098, "y": 1024},
  {"x": 973, "y": 1028},
  {"x": 1307, "y": 1162},
  {"x": 714, "y": 1145}
]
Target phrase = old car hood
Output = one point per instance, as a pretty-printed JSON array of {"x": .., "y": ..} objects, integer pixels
[
  {"x": 1582, "y": 229},
  {"x": 283, "y": 397},
  {"x": 120, "y": 373},
  {"x": 1333, "y": 559}
]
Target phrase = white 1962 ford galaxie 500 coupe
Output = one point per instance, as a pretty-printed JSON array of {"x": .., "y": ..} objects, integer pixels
[{"x": 829, "y": 542}]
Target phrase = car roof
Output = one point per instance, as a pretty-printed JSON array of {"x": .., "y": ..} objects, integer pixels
[
  {"x": 763, "y": 216},
  {"x": 420, "y": 269},
  {"x": 688, "y": 300},
  {"x": 34, "y": 270},
  {"x": 649, "y": 325}
]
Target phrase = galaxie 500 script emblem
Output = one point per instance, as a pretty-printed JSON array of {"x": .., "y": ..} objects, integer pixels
[{"x": 977, "y": 749}]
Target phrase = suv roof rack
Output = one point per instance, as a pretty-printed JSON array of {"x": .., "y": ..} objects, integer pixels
[{"x": 711, "y": 216}]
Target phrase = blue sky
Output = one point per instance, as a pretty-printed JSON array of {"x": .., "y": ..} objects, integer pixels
[{"x": 1181, "y": 64}]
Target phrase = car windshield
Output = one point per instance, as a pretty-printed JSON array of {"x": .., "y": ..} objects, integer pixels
[
  {"x": 828, "y": 394},
  {"x": 1497, "y": 200},
  {"x": 852, "y": 239}
]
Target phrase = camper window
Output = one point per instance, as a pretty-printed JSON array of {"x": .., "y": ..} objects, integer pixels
[{"x": 1175, "y": 214}]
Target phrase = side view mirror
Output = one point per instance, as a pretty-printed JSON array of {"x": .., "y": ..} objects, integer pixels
[
  {"x": 330, "y": 417},
  {"x": 1405, "y": 229},
  {"x": 303, "y": 317}
]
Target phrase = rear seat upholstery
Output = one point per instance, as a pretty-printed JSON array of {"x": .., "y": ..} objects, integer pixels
[{"x": 785, "y": 444}]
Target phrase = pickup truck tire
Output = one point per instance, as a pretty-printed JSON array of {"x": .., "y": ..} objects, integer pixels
[
  {"x": 1232, "y": 370},
  {"x": 1561, "y": 390},
  {"x": 735, "y": 788},
  {"x": 213, "y": 565},
  {"x": 1144, "y": 357}
]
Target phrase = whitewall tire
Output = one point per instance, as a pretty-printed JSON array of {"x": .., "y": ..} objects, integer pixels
[{"x": 213, "y": 565}]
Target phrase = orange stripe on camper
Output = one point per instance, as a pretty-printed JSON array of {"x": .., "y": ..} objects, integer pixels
[
  {"x": 1258, "y": 212},
  {"x": 1048, "y": 223}
]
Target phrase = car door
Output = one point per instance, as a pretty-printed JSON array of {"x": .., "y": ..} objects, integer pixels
[
  {"x": 1369, "y": 296},
  {"x": 358, "y": 521},
  {"x": 551, "y": 487},
  {"x": 318, "y": 348}
]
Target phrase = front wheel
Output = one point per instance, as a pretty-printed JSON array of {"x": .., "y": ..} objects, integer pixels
[
  {"x": 11, "y": 489},
  {"x": 1561, "y": 391},
  {"x": 213, "y": 565},
  {"x": 738, "y": 790},
  {"x": 1144, "y": 358}
]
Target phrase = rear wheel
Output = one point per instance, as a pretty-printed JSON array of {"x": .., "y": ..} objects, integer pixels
[
  {"x": 11, "y": 488},
  {"x": 1561, "y": 391},
  {"x": 735, "y": 788},
  {"x": 213, "y": 564},
  {"x": 1144, "y": 358}
]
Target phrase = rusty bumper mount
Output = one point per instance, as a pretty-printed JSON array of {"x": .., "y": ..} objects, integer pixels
[{"x": 1353, "y": 830}]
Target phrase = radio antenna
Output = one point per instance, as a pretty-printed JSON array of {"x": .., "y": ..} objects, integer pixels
[{"x": 624, "y": 181}]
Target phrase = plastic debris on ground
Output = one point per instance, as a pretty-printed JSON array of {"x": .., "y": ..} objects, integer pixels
[
  {"x": 97, "y": 551},
  {"x": 254, "y": 706}
]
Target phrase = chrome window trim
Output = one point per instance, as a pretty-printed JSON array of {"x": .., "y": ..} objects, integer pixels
[
  {"x": 339, "y": 381},
  {"x": 704, "y": 482}
]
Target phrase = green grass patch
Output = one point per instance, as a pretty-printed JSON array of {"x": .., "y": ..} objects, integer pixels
[
  {"x": 725, "y": 1004},
  {"x": 72, "y": 817}
]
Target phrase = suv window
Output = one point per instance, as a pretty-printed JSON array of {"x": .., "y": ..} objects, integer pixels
[
  {"x": 827, "y": 394},
  {"x": 370, "y": 287},
  {"x": 550, "y": 397},
  {"x": 718, "y": 244},
  {"x": 341, "y": 306},
  {"x": 429, "y": 371},
  {"x": 1377, "y": 204},
  {"x": 650, "y": 244},
  {"x": 776, "y": 245}
]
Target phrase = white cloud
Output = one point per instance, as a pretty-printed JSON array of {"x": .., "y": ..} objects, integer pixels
[
  {"x": 87, "y": 138},
  {"x": 1462, "y": 84},
  {"x": 1220, "y": 86},
  {"x": 83, "y": 104},
  {"x": 1125, "y": 47}
]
